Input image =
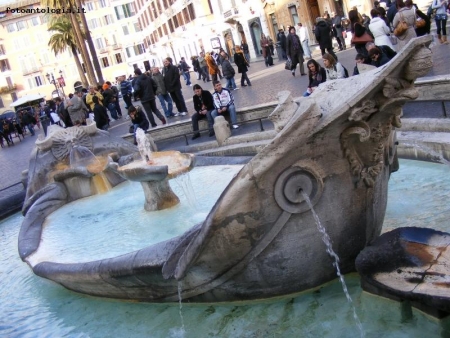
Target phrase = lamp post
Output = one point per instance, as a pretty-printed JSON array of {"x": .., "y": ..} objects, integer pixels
[
  {"x": 62, "y": 82},
  {"x": 52, "y": 81}
]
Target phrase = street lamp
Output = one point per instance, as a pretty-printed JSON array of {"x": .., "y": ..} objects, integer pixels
[
  {"x": 52, "y": 81},
  {"x": 62, "y": 82}
]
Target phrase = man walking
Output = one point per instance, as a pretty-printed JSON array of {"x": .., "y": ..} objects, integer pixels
[
  {"x": 173, "y": 85},
  {"x": 303, "y": 34},
  {"x": 294, "y": 51},
  {"x": 185, "y": 69},
  {"x": 281, "y": 39},
  {"x": 145, "y": 87},
  {"x": 126, "y": 89},
  {"x": 203, "y": 67}
]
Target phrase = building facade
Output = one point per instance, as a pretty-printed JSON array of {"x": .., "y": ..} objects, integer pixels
[{"x": 141, "y": 33}]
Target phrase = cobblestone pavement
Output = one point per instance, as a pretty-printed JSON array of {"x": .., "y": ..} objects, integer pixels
[{"x": 266, "y": 83}]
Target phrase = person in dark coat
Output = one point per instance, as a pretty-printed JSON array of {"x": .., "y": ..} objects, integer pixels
[
  {"x": 354, "y": 17},
  {"x": 138, "y": 118},
  {"x": 241, "y": 62},
  {"x": 146, "y": 87},
  {"x": 100, "y": 115},
  {"x": 281, "y": 39},
  {"x": 294, "y": 51},
  {"x": 420, "y": 31},
  {"x": 173, "y": 85},
  {"x": 228, "y": 71},
  {"x": 323, "y": 36},
  {"x": 337, "y": 30},
  {"x": 203, "y": 106}
]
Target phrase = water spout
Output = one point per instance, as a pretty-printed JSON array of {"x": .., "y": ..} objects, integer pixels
[
  {"x": 326, "y": 239},
  {"x": 144, "y": 146}
]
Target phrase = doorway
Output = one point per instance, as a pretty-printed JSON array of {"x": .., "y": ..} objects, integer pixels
[
  {"x": 229, "y": 43},
  {"x": 255, "y": 32}
]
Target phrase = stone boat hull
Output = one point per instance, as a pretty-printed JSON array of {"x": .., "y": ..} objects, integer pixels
[{"x": 260, "y": 239}]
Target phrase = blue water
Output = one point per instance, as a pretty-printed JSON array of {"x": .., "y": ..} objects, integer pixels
[{"x": 34, "y": 307}]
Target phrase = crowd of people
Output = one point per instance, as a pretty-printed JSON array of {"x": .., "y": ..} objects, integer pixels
[{"x": 391, "y": 26}]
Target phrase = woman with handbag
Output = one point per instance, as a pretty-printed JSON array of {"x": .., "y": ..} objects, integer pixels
[
  {"x": 379, "y": 29},
  {"x": 441, "y": 19},
  {"x": 423, "y": 23},
  {"x": 360, "y": 38},
  {"x": 404, "y": 22}
]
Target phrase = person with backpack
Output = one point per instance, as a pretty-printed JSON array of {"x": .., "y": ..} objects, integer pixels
[
  {"x": 228, "y": 72},
  {"x": 333, "y": 69}
]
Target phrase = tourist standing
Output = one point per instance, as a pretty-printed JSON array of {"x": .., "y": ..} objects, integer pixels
[
  {"x": 77, "y": 109},
  {"x": 246, "y": 51},
  {"x": 185, "y": 69},
  {"x": 162, "y": 94},
  {"x": 241, "y": 62},
  {"x": 203, "y": 67},
  {"x": 407, "y": 14},
  {"x": 264, "y": 44},
  {"x": 213, "y": 69},
  {"x": 145, "y": 87},
  {"x": 100, "y": 115},
  {"x": 379, "y": 29},
  {"x": 323, "y": 36},
  {"x": 441, "y": 19},
  {"x": 337, "y": 30},
  {"x": 281, "y": 39},
  {"x": 126, "y": 89},
  {"x": 173, "y": 85},
  {"x": 303, "y": 34},
  {"x": 228, "y": 72}
]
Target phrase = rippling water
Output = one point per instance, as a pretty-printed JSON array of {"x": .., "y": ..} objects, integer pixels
[{"x": 34, "y": 307}]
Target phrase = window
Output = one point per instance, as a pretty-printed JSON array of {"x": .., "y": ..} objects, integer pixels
[
  {"x": 124, "y": 11},
  {"x": 93, "y": 23},
  {"x": 35, "y": 21},
  {"x": 125, "y": 30},
  {"x": 4, "y": 65},
  {"x": 2, "y": 50},
  {"x": 108, "y": 19},
  {"x": 159, "y": 7},
  {"x": 102, "y": 3},
  {"x": 90, "y": 6},
  {"x": 9, "y": 82},
  {"x": 17, "y": 45},
  {"x": 175, "y": 21},
  {"x": 180, "y": 19},
  {"x": 44, "y": 18},
  {"x": 35, "y": 81},
  {"x": 105, "y": 62},
  {"x": 165, "y": 29},
  {"x": 165, "y": 4},
  {"x": 45, "y": 59},
  {"x": 191, "y": 11},
  {"x": 150, "y": 13},
  {"x": 155, "y": 13},
  {"x": 294, "y": 15},
  {"x": 11, "y": 27},
  {"x": 21, "y": 25},
  {"x": 160, "y": 32},
  {"x": 135, "y": 50},
  {"x": 99, "y": 43},
  {"x": 1, "y": 103},
  {"x": 273, "y": 20},
  {"x": 171, "y": 26},
  {"x": 186, "y": 16},
  {"x": 14, "y": 96},
  {"x": 137, "y": 27},
  {"x": 118, "y": 58}
]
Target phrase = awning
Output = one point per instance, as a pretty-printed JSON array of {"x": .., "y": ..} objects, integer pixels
[{"x": 26, "y": 99}]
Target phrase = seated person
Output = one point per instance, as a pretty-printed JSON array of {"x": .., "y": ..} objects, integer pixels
[
  {"x": 378, "y": 58},
  {"x": 203, "y": 106},
  {"x": 224, "y": 102},
  {"x": 388, "y": 51},
  {"x": 333, "y": 69},
  {"x": 359, "y": 58},
  {"x": 317, "y": 75},
  {"x": 138, "y": 118}
]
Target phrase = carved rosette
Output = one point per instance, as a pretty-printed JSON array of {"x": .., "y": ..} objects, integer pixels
[{"x": 64, "y": 140}]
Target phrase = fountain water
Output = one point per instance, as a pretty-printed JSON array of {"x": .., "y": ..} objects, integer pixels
[
  {"x": 32, "y": 306},
  {"x": 327, "y": 241}
]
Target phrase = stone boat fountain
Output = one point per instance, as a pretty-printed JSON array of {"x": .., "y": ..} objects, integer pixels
[{"x": 259, "y": 240}]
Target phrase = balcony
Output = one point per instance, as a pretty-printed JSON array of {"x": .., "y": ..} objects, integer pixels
[
  {"x": 31, "y": 70},
  {"x": 117, "y": 46},
  {"x": 231, "y": 15},
  {"x": 8, "y": 89},
  {"x": 103, "y": 50}
]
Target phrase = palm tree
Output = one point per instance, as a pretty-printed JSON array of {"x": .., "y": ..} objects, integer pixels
[
  {"x": 77, "y": 33},
  {"x": 91, "y": 46},
  {"x": 62, "y": 38}
]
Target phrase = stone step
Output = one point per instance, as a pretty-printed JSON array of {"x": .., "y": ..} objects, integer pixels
[{"x": 424, "y": 145}]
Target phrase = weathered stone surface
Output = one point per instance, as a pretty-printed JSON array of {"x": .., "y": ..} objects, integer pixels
[
  {"x": 409, "y": 264},
  {"x": 260, "y": 240}
]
